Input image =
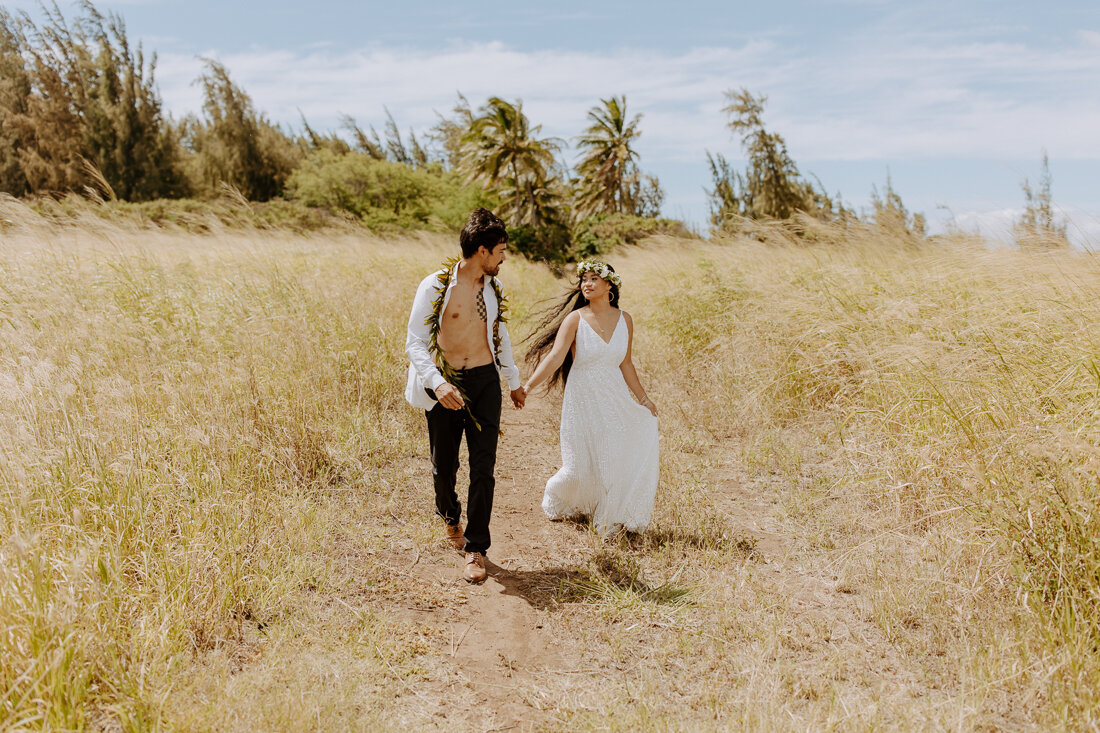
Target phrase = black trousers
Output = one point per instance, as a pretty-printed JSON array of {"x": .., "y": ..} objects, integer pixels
[{"x": 445, "y": 428}]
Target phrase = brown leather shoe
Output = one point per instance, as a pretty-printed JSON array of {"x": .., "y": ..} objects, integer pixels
[
  {"x": 454, "y": 536},
  {"x": 475, "y": 568}
]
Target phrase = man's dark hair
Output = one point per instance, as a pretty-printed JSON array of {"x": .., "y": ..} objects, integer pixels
[{"x": 483, "y": 229}]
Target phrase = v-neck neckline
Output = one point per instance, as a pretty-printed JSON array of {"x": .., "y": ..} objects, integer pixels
[{"x": 613, "y": 331}]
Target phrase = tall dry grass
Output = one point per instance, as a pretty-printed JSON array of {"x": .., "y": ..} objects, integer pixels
[
  {"x": 187, "y": 424},
  {"x": 204, "y": 452},
  {"x": 946, "y": 392}
]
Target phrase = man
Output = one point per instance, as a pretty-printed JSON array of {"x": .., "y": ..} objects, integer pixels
[{"x": 455, "y": 329}]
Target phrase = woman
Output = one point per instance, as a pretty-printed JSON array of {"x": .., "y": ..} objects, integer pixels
[{"x": 609, "y": 445}]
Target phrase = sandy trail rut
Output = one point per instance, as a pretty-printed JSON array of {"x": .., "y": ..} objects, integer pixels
[{"x": 500, "y": 641}]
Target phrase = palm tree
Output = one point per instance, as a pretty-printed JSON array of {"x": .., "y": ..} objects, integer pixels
[
  {"x": 501, "y": 149},
  {"x": 608, "y": 165},
  {"x": 535, "y": 201}
]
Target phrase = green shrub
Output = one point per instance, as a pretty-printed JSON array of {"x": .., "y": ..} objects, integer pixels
[
  {"x": 384, "y": 194},
  {"x": 600, "y": 234},
  {"x": 549, "y": 243}
]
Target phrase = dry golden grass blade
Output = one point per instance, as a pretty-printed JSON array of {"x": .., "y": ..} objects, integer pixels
[{"x": 100, "y": 187}]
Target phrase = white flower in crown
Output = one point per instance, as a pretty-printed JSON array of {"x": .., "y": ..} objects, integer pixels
[{"x": 600, "y": 269}]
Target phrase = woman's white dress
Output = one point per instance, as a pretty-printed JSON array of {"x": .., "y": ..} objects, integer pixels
[{"x": 609, "y": 444}]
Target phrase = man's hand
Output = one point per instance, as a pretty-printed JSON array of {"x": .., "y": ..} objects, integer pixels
[
  {"x": 519, "y": 397},
  {"x": 449, "y": 397}
]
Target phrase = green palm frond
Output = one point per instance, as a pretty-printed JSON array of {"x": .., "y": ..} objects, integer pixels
[
  {"x": 502, "y": 150},
  {"x": 608, "y": 164}
]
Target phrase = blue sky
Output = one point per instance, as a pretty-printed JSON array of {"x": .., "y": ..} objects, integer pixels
[{"x": 956, "y": 99}]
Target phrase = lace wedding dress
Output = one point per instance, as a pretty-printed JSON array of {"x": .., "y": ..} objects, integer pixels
[{"x": 609, "y": 445}]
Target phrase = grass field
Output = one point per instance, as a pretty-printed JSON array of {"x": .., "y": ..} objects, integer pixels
[{"x": 877, "y": 504}]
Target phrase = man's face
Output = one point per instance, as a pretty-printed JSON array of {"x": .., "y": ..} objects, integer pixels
[{"x": 494, "y": 259}]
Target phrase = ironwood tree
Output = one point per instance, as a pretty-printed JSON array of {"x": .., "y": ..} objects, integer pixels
[{"x": 79, "y": 107}]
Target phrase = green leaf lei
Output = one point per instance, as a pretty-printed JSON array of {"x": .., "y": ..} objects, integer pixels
[{"x": 435, "y": 319}]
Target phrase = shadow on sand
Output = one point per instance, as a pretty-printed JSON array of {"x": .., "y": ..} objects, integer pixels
[
  {"x": 542, "y": 589},
  {"x": 611, "y": 577}
]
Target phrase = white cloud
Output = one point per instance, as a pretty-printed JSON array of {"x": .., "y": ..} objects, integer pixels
[
  {"x": 1083, "y": 229},
  {"x": 1090, "y": 37},
  {"x": 995, "y": 226},
  {"x": 919, "y": 96}
]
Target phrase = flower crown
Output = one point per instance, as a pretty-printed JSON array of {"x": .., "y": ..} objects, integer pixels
[{"x": 601, "y": 269}]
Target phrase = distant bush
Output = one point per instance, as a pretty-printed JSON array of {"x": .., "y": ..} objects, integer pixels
[
  {"x": 1039, "y": 227},
  {"x": 888, "y": 212},
  {"x": 549, "y": 243},
  {"x": 599, "y": 234},
  {"x": 384, "y": 194}
]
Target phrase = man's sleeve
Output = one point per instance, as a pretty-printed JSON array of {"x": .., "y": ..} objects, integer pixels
[{"x": 416, "y": 338}]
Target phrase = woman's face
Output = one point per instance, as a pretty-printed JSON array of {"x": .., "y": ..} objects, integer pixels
[{"x": 593, "y": 286}]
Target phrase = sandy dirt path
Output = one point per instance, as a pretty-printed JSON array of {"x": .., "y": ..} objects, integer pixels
[
  {"x": 510, "y": 657},
  {"x": 500, "y": 642}
]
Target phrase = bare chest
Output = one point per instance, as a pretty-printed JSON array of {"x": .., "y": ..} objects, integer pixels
[
  {"x": 466, "y": 306},
  {"x": 463, "y": 325}
]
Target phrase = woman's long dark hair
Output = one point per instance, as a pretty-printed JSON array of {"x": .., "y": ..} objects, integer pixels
[{"x": 542, "y": 338}]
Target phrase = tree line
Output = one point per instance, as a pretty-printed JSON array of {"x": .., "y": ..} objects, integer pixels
[
  {"x": 772, "y": 188},
  {"x": 80, "y": 112}
]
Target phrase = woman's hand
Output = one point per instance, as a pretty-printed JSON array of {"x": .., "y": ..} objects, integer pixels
[{"x": 648, "y": 404}]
